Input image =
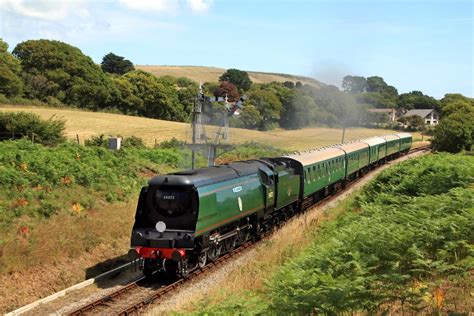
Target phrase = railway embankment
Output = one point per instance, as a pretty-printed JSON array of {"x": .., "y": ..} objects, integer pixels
[{"x": 402, "y": 243}]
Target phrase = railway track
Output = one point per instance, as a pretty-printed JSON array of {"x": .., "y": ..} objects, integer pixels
[{"x": 131, "y": 298}]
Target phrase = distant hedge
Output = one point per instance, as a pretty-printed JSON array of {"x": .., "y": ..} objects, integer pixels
[{"x": 14, "y": 125}]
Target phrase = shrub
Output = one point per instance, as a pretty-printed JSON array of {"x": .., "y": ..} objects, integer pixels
[
  {"x": 97, "y": 141},
  {"x": 24, "y": 124},
  {"x": 133, "y": 142},
  {"x": 172, "y": 143}
]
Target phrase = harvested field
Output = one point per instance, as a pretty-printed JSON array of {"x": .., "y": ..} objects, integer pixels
[
  {"x": 212, "y": 74},
  {"x": 88, "y": 124}
]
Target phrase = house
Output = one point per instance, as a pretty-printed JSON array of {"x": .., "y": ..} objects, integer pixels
[
  {"x": 429, "y": 116},
  {"x": 389, "y": 113}
]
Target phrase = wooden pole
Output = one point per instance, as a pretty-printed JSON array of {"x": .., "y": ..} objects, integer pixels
[
  {"x": 343, "y": 133},
  {"x": 77, "y": 139}
]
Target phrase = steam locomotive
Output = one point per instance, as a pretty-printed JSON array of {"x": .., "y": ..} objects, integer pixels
[{"x": 188, "y": 218}]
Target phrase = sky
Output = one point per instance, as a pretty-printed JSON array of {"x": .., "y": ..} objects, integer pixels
[{"x": 413, "y": 45}]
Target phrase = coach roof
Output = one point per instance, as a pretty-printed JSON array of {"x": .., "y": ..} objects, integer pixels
[{"x": 314, "y": 156}]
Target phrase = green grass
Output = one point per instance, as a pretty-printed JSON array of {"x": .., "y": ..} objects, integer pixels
[{"x": 406, "y": 239}]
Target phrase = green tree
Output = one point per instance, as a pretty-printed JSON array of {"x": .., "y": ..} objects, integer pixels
[
  {"x": 159, "y": 96},
  {"x": 125, "y": 99},
  {"x": 354, "y": 84},
  {"x": 10, "y": 81},
  {"x": 269, "y": 106},
  {"x": 249, "y": 116},
  {"x": 414, "y": 122},
  {"x": 376, "y": 84},
  {"x": 301, "y": 112},
  {"x": 237, "y": 77},
  {"x": 455, "y": 131},
  {"x": 65, "y": 73},
  {"x": 115, "y": 64},
  {"x": 454, "y": 102},
  {"x": 417, "y": 100}
]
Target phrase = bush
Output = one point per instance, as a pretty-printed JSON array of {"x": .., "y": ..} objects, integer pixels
[
  {"x": 24, "y": 124},
  {"x": 172, "y": 143},
  {"x": 133, "y": 142},
  {"x": 97, "y": 141}
]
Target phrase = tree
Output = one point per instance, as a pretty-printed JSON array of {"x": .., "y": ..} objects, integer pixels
[
  {"x": 125, "y": 100},
  {"x": 114, "y": 64},
  {"x": 65, "y": 73},
  {"x": 417, "y": 100},
  {"x": 269, "y": 106},
  {"x": 300, "y": 113},
  {"x": 237, "y": 77},
  {"x": 455, "y": 131},
  {"x": 159, "y": 96},
  {"x": 414, "y": 122},
  {"x": 250, "y": 116},
  {"x": 375, "y": 84},
  {"x": 228, "y": 89},
  {"x": 453, "y": 102},
  {"x": 10, "y": 82},
  {"x": 354, "y": 84}
]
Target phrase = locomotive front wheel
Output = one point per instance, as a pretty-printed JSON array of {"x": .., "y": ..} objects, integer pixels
[{"x": 150, "y": 268}]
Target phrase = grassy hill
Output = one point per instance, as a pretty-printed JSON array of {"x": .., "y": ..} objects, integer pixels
[
  {"x": 88, "y": 124},
  {"x": 209, "y": 74}
]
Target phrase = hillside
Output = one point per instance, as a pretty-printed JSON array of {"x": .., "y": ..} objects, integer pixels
[
  {"x": 88, "y": 124},
  {"x": 210, "y": 74}
]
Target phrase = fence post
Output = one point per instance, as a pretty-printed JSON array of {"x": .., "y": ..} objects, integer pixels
[{"x": 77, "y": 138}]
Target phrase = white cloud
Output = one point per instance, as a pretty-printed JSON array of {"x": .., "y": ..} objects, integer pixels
[
  {"x": 161, "y": 6},
  {"x": 46, "y": 10},
  {"x": 199, "y": 6},
  {"x": 85, "y": 21}
]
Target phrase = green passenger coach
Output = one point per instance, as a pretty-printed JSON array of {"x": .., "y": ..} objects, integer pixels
[
  {"x": 357, "y": 157},
  {"x": 320, "y": 168},
  {"x": 406, "y": 140},
  {"x": 393, "y": 144},
  {"x": 377, "y": 148}
]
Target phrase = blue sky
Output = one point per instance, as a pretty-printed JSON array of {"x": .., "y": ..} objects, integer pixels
[{"x": 413, "y": 45}]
